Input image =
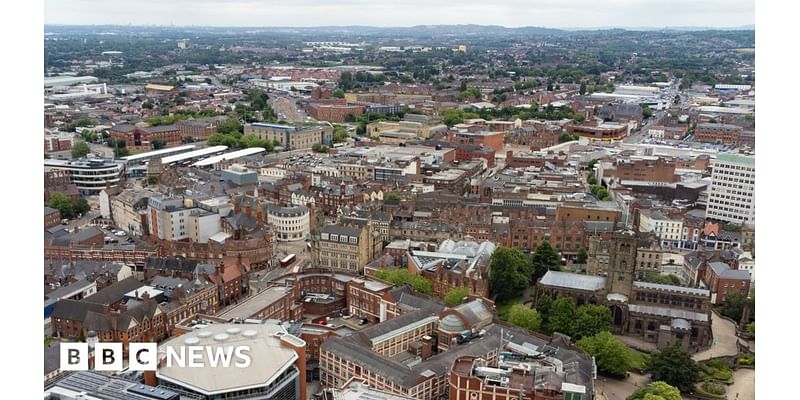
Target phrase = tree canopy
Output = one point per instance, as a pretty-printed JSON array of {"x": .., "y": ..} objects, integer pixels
[
  {"x": 591, "y": 320},
  {"x": 524, "y": 317},
  {"x": 456, "y": 296},
  {"x": 563, "y": 313},
  {"x": 401, "y": 276},
  {"x": 612, "y": 356},
  {"x": 545, "y": 258},
  {"x": 657, "y": 390},
  {"x": 80, "y": 149},
  {"x": 509, "y": 273},
  {"x": 675, "y": 367},
  {"x": 66, "y": 206}
]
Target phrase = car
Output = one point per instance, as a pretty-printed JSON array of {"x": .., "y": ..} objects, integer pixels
[
  {"x": 362, "y": 321},
  {"x": 120, "y": 233},
  {"x": 64, "y": 221}
]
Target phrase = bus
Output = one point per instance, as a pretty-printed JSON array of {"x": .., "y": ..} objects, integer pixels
[{"x": 287, "y": 261}]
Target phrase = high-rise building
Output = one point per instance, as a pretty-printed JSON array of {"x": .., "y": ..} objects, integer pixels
[{"x": 731, "y": 196}]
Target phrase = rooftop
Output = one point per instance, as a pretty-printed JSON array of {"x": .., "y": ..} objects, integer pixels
[
  {"x": 573, "y": 281},
  {"x": 269, "y": 357}
]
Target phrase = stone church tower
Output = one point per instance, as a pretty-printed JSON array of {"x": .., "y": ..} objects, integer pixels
[{"x": 622, "y": 263}]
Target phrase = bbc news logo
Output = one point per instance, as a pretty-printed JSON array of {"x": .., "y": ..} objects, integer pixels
[{"x": 144, "y": 356}]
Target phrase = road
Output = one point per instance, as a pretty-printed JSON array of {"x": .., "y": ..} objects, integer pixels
[
  {"x": 286, "y": 108},
  {"x": 614, "y": 389}
]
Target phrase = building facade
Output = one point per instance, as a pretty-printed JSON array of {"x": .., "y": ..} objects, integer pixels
[{"x": 731, "y": 197}]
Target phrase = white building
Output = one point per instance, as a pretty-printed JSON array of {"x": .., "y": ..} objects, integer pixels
[
  {"x": 290, "y": 223},
  {"x": 202, "y": 225},
  {"x": 90, "y": 175},
  {"x": 732, "y": 191},
  {"x": 668, "y": 230},
  {"x": 129, "y": 210},
  {"x": 656, "y": 132}
]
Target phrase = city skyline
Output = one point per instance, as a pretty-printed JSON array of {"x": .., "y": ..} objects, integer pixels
[{"x": 569, "y": 14}]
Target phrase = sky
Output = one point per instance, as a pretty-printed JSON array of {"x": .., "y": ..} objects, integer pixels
[{"x": 304, "y": 13}]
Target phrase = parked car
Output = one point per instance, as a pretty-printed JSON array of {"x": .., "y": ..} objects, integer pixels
[{"x": 120, "y": 233}]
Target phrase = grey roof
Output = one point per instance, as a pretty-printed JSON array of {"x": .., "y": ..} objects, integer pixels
[
  {"x": 115, "y": 292},
  {"x": 475, "y": 312},
  {"x": 178, "y": 263},
  {"x": 573, "y": 281},
  {"x": 110, "y": 388},
  {"x": 86, "y": 234},
  {"x": 394, "y": 324},
  {"x": 671, "y": 288},
  {"x": 668, "y": 312},
  {"x": 681, "y": 323},
  {"x": 52, "y": 356},
  {"x": 65, "y": 290},
  {"x": 75, "y": 310},
  {"x": 341, "y": 230},
  {"x": 726, "y": 272},
  {"x": 48, "y": 210}
]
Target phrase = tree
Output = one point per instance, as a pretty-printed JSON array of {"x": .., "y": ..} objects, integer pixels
[
  {"x": 591, "y": 320},
  {"x": 611, "y": 355},
  {"x": 80, "y": 149},
  {"x": 658, "y": 390},
  {"x": 675, "y": 367},
  {"x": 152, "y": 180},
  {"x": 544, "y": 306},
  {"x": 545, "y": 258},
  {"x": 733, "y": 306},
  {"x": 392, "y": 196},
  {"x": 401, "y": 276},
  {"x": 583, "y": 89},
  {"x": 751, "y": 327},
  {"x": 562, "y": 316},
  {"x": 319, "y": 148},
  {"x": 524, "y": 317},
  {"x": 456, "y": 296},
  {"x": 509, "y": 273},
  {"x": 338, "y": 93},
  {"x": 646, "y": 111},
  {"x": 339, "y": 134},
  {"x": 582, "y": 257},
  {"x": 148, "y": 105},
  {"x": 231, "y": 126},
  {"x": 63, "y": 204},
  {"x": 159, "y": 144},
  {"x": 565, "y": 137},
  {"x": 81, "y": 206},
  {"x": 655, "y": 277}
]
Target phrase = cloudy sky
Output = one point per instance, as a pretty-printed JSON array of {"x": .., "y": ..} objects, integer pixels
[{"x": 510, "y": 13}]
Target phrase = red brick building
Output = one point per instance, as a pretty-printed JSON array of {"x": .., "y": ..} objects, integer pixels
[
  {"x": 643, "y": 169},
  {"x": 720, "y": 133},
  {"x": 467, "y": 152},
  {"x": 494, "y": 140},
  {"x": 51, "y": 217},
  {"x": 722, "y": 280},
  {"x": 143, "y": 138},
  {"x": 596, "y": 131},
  {"x": 333, "y": 112}
]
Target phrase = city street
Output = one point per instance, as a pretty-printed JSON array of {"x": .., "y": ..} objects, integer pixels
[{"x": 286, "y": 108}]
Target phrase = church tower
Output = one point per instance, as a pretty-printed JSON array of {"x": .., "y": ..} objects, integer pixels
[{"x": 622, "y": 263}]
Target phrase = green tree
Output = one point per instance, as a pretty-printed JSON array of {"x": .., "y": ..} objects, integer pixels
[
  {"x": 545, "y": 258},
  {"x": 338, "y": 93},
  {"x": 339, "y": 134},
  {"x": 81, "y": 206},
  {"x": 544, "y": 306},
  {"x": 563, "y": 313},
  {"x": 591, "y": 320},
  {"x": 524, "y": 317},
  {"x": 231, "y": 126},
  {"x": 582, "y": 257},
  {"x": 733, "y": 306},
  {"x": 392, "y": 196},
  {"x": 80, "y": 149},
  {"x": 152, "y": 180},
  {"x": 658, "y": 390},
  {"x": 611, "y": 355},
  {"x": 751, "y": 327},
  {"x": 456, "y": 296},
  {"x": 159, "y": 144},
  {"x": 509, "y": 273},
  {"x": 646, "y": 111},
  {"x": 655, "y": 277},
  {"x": 401, "y": 276},
  {"x": 63, "y": 204},
  {"x": 675, "y": 367},
  {"x": 583, "y": 88}
]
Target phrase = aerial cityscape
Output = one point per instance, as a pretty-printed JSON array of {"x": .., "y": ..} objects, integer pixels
[{"x": 461, "y": 212}]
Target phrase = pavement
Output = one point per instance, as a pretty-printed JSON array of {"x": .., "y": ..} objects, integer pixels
[
  {"x": 724, "y": 342},
  {"x": 637, "y": 343},
  {"x": 744, "y": 385},
  {"x": 614, "y": 389}
]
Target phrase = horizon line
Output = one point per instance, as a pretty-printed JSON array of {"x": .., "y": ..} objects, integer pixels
[{"x": 593, "y": 28}]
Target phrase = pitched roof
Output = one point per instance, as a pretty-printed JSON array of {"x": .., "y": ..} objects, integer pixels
[
  {"x": 115, "y": 292},
  {"x": 573, "y": 281}
]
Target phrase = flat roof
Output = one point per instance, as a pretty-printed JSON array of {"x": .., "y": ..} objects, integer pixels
[
  {"x": 269, "y": 357},
  {"x": 192, "y": 154},
  {"x": 154, "y": 153},
  {"x": 229, "y": 156},
  {"x": 254, "y": 304}
]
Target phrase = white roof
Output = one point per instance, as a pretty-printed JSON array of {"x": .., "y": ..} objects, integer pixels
[
  {"x": 229, "y": 156},
  {"x": 268, "y": 354},
  {"x": 668, "y": 312},
  {"x": 192, "y": 154},
  {"x": 154, "y": 153},
  {"x": 574, "y": 281}
]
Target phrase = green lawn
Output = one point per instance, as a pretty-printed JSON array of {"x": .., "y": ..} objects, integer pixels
[
  {"x": 639, "y": 359},
  {"x": 502, "y": 309}
]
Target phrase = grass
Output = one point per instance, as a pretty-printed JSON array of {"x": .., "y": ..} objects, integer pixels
[
  {"x": 710, "y": 389},
  {"x": 715, "y": 370},
  {"x": 502, "y": 309},
  {"x": 638, "y": 359}
]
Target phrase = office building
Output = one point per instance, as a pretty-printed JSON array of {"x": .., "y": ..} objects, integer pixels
[{"x": 731, "y": 197}]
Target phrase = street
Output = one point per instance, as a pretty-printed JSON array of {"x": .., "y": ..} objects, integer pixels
[{"x": 286, "y": 108}]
